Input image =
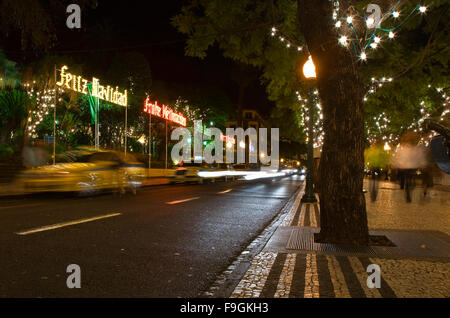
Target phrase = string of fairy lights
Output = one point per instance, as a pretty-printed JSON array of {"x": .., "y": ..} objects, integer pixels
[
  {"x": 374, "y": 34},
  {"x": 347, "y": 26},
  {"x": 44, "y": 101},
  {"x": 304, "y": 119}
]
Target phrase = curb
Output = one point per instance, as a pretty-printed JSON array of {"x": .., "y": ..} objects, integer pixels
[{"x": 226, "y": 282}]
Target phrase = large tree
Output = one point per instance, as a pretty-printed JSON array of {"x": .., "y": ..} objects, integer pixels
[{"x": 241, "y": 28}]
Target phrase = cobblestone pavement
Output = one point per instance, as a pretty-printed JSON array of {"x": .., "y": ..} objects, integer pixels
[
  {"x": 391, "y": 211},
  {"x": 305, "y": 274}
]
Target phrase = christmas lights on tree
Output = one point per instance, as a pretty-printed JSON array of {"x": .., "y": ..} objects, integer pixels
[
  {"x": 367, "y": 35},
  {"x": 44, "y": 100}
]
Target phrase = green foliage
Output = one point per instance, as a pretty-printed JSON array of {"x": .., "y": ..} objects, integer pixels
[
  {"x": 416, "y": 58},
  {"x": 9, "y": 73},
  {"x": 14, "y": 106},
  {"x": 6, "y": 152},
  {"x": 376, "y": 157},
  {"x": 241, "y": 29}
]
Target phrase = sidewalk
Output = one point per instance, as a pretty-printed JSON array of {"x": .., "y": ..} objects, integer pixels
[{"x": 292, "y": 265}]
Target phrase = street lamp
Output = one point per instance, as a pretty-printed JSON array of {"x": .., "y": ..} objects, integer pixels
[{"x": 309, "y": 71}]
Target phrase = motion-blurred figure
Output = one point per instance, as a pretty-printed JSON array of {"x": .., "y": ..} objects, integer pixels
[
  {"x": 34, "y": 155},
  {"x": 407, "y": 159}
]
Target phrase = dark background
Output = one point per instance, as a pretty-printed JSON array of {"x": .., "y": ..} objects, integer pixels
[{"x": 144, "y": 26}]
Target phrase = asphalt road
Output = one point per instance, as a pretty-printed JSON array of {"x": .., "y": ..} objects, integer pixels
[{"x": 166, "y": 241}]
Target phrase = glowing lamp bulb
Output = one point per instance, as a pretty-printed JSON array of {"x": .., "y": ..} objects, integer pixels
[
  {"x": 373, "y": 45},
  {"x": 338, "y": 24},
  {"x": 309, "y": 70},
  {"x": 349, "y": 20},
  {"x": 363, "y": 56},
  {"x": 391, "y": 34},
  {"x": 395, "y": 14},
  {"x": 422, "y": 9},
  {"x": 343, "y": 40},
  {"x": 370, "y": 22},
  {"x": 376, "y": 39}
]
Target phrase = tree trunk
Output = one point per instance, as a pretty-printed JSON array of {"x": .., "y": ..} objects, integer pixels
[{"x": 343, "y": 216}]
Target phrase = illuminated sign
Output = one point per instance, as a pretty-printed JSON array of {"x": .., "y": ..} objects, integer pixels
[
  {"x": 227, "y": 139},
  {"x": 164, "y": 111},
  {"x": 79, "y": 84}
]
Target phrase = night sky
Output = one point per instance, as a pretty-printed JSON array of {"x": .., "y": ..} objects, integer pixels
[{"x": 144, "y": 26}]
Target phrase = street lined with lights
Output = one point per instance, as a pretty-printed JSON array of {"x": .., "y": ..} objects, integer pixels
[{"x": 137, "y": 252}]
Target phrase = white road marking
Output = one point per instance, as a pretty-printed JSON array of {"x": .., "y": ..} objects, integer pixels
[
  {"x": 20, "y": 206},
  {"x": 181, "y": 201},
  {"x": 64, "y": 224},
  {"x": 223, "y": 192}
]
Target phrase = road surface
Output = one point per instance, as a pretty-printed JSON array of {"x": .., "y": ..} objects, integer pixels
[{"x": 166, "y": 241}]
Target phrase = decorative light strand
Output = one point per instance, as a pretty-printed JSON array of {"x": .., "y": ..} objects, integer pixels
[
  {"x": 285, "y": 40},
  {"x": 371, "y": 40}
]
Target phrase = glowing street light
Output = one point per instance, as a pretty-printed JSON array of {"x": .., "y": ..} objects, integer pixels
[{"x": 309, "y": 71}]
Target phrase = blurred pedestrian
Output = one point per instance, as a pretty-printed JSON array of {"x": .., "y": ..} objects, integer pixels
[
  {"x": 373, "y": 184},
  {"x": 34, "y": 155},
  {"x": 408, "y": 158}
]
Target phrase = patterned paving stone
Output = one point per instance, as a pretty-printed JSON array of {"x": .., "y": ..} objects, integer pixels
[{"x": 308, "y": 274}]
